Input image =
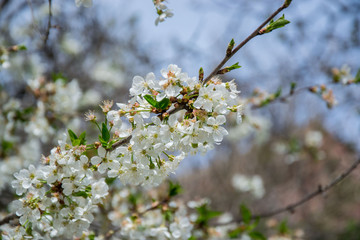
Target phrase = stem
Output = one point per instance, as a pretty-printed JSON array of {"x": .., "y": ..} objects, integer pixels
[{"x": 238, "y": 47}]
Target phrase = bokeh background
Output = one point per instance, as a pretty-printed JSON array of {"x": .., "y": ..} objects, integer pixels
[{"x": 293, "y": 146}]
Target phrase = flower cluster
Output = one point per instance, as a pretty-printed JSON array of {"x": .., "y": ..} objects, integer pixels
[
  {"x": 59, "y": 197},
  {"x": 170, "y": 118},
  {"x": 252, "y": 184},
  {"x": 162, "y": 11}
]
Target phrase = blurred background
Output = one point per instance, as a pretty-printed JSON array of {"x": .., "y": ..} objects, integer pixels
[{"x": 282, "y": 151}]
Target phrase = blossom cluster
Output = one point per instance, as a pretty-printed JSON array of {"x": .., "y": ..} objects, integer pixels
[
  {"x": 59, "y": 197},
  {"x": 170, "y": 118},
  {"x": 56, "y": 105},
  {"x": 162, "y": 11}
]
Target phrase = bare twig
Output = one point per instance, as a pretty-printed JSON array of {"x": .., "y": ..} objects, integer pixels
[
  {"x": 320, "y": 190},
  {"x": 47, "y": 33},
  {"x": 230, "y": 54}
]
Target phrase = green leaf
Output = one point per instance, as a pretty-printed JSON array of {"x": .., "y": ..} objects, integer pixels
[
  {"x": 279, "y": 23},
  {"x": 105, "y": 134},
  {"x": 236, "y": 232},
  {"x": 73, "y": 137},
  {"x": 174, "y": 189},
  {"x": 92, "y": 236},
  {"x": 59, "y": 76},
  {"x": 283, "y": 228},
  {"x": 257, "y": 235},
  {"x": 151, "y": 100},
  {"x": 83, "y": 194},
  {"x": 205, "y": 214},
  {"x": 29, "y": 229},
  {"x": 357, "y": 77},
  {"x": 22, "y": 47},
  {"x": 277, "y": 93},
  {"x": 82, "y": 138},
  {"x": 245, "y": 213},
  {"x": 234, "y": 66},
  {"x": 110, "y": 181},
  {"x": 163, "y": 104}
]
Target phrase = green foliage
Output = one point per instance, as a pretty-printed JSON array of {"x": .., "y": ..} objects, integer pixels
[
  {"x": 75, "y": 140},
  {"x": 205, "y": 215},
  {"x": 83, "y": 194},
  {"x": 110, "y": 181},
  {"x": 174, "y": 189},
  {"x": 105, "y": 133},
  {"x": 351, "y": 232},
  {"x": 279, "y": 23},
  {"x": 6, "y": 146},
  {"x": 151, "y": 100},
  {"x": 59, "y": 77},
  {"x": 91, "y": 236},
  {"x": 283, "y": 227},
  {"x": 357, "y": 77},
  {"x": 163, "y": 104},
  {"x": 255, "y": 235},
  {"x": 245, "y": 214},
  {"x": 228, "y": 69}
]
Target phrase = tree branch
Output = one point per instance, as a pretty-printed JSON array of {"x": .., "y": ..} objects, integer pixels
[
  {"x": 320, "y": 190},
  {"x": 238, "y": 47}
]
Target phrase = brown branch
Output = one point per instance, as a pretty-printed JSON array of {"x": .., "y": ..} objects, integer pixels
[
  {"x": 47, "y": 33},
  {"x": 8, "y": 218},
  {"x": 230, "y": 54},
  {"x": 320, "y": 190}
]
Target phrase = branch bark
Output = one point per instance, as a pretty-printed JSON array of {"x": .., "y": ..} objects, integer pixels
[{"x": 238, "y": 47}]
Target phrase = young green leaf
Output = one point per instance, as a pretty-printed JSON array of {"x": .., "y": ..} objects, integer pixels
[
  {"x": 228, "y": 69},
  {"x": 174, "y": 189},
  {"x": 283, "y": 228},
  {"x": 234, "y": 66},
  {"x": 105, "y": 134},
  {"x": 201, "y": 74},
  {"x": 230, "y": 47},
  {"x": 80, "y": 194},
  {"x": 205, "y": 214},
  {"x": 257, "y": 235},
  {"x": 73, "y": 137},
  {"x": 163, "y": 104},
  {"x": 82, "y": 138},
  {"x": 151, "y": 100},
  {"x": 245, "y": 214},
  {"x": 279, "y": 23},
  {"x": 357, "y": 77}
]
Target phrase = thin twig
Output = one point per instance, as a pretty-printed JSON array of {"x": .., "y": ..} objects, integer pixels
[
  {"x": 238, "y": 47},
  {"x": 320, "y": 190},
  {"x": 284, "y": 98},
  {"x": 47, "y": 33}
]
